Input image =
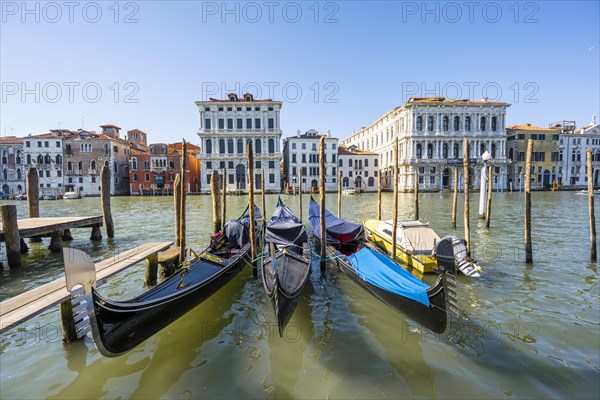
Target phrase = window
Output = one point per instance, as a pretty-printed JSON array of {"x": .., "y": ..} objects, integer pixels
[
  {"x": 482, "y": 124},
  {"x": 341, "y": 163},
  {"x": 445, "y": 123},
  {"x": 46, "y": 144},
  {"x": 221, "y": 123},
  {"x": 430, "y": 123},
  {"x": 432, "y": 180},
  {"x": 209, "y": 166},
  {"x": 230, "y": 165},
  {"x": 293, "y": 146},
  {"x": 293, "y": 171},
  {"x": 147, "y": 177},
  {"x": 222, "y": 146},
  {"x": 271, "y": 164},
  {"x": 456, "y": 124},
  {"x": 494, "y": 124},
  {"x": 366, "y": 162},
  {"x": 80, "y": 166},
  {"x": 206, "y": 108},
  {"x": 248, "y": 123},
  {"x": 419, "y": 150},
  {"x": 256, "y": 108},
  {"x": 303, "y": 158},
  {"x": 430, "y": 150},
  {"x": 240, "y": 146},
  {"x": 419, "y": 123},
  {"x": 350, "y": 163},
  {"x": 468, "y": 123},
  {"x": 231, "y": 179},
  {"x": 135, "y": 177},
  {"x": 445, "y": 151},
  {"x": 256, "y": 123},
  {"x": 220, "y": 108},
  {"x": 271, "y": 146},
  {"x": 28, "y": 144},
  {"x": 271, "y": 178},
  {"x": 271, "y": 123},
  {"x": 207, "y": 123},
  {"x": 303, "y": 146},
  {"x": 222, "y": 165},
  {"x": 376, "y": 162},
  {"x": 208, "y": 146},
  {"x": 229, "y": 108},
  {"x": 230, "y": 146},
  {"x": 238, "y": 109},
  {"x": 314, "y": 147},
  {"x": 229, "y": 123},
  {"x": 238, "y": 123},
  {"x": 258, "y": 146},
  {"x": 47, "y": 174},
  {"x": 93, "y": 165},
  {"x": 39, "y": 143},
  {"x": 172, "y": 164},
  {"x": 294, "y": 158}
]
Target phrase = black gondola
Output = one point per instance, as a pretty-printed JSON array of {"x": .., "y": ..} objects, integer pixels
[
  {"x": 119, "y": 326},
  {"x": 386, "y": 279},
  {"x": 286, "y": 269}
]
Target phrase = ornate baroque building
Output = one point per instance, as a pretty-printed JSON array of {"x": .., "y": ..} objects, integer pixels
[
  {"x": 225, "y": 128},
  {"x": 430, "y": 133}
]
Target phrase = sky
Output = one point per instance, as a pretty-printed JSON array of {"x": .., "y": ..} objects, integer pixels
[{"x": 336, "y": 65}]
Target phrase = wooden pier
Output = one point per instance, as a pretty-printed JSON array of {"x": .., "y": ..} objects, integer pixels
[
  {"x": 26, "y": 305},
  {"x": 33, "y": 227}
]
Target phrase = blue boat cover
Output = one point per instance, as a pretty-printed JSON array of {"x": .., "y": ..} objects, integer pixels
[
  {"x": 381, "y": 271},
  {"x": 339, "y": 231},
  {"x": 284, "y": 229}
]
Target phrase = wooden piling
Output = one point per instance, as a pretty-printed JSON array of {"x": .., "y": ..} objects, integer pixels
[
  {"x": 251, "y": 207},
  {"x": 379, "y": 195},
  {"x": 300, "y": 194},
  {"x": 322, "y": 187},
  {"x": 224, "y": 200},
  {"x": 339, "y": 193},
  {"x": 395, "y": 217},
  {"x": 182, "y": 229},
  {"x": 262, "y": 194},
  {"x": 105, "y": 199},
  {"x": 455, "y": 197},
  {"x": 216, "y": 199},
  {"x": 488, "y": 210},
  {"x": 55, "y": 242},
  {"x": 416, "y": 195},
  {"x": 23, "y": 245},
  {"x": 177, "y": 206},
  {"x": 11, "y": 235},
  {"x": 33, "y": 199},
  {"x": 528, "y": 246},
  {"x": 69, "y": 330},
  {"x": 466, "y": 190},
  {"x": 66, "y": 235},
  {"x": 592, "y": 218},
  {"x": 151, "y": 275}
]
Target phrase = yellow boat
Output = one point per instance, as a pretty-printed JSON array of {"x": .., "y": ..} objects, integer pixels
[{"x": 416, "y": 243}]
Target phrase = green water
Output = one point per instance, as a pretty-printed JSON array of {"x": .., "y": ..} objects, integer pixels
[{"x": 526, "y": 331}]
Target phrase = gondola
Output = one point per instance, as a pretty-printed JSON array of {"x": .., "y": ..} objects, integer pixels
[
  {"x": 119, "y": 326},
  {"x": 386, "y": 279},
  {"x": 287, "y": 267}
]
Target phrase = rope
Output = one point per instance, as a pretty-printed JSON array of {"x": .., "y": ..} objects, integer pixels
[{"x": 329, "y": 258}]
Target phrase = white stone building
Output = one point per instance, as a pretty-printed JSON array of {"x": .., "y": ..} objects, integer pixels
[
  {"x": 360, "y": 168},
  {"x": 225, "y": 128},
  {"x": 12, "y": 178},
  {"x": 301, "y": 155},
  {"x": 430, "y": 133},
  {"x": 573, "y": 148},
  {"x": 45, "y": 153}
]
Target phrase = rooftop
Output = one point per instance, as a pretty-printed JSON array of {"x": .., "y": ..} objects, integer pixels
[
  {"x": 353, "y": 150},
  {"x": 529, "y": 127},
  {"x": 443, "y": 100}
]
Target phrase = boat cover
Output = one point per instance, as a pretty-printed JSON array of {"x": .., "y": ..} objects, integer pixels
[
  {"x": 416, "y": 236},
  {"x": 381, "y": 271},
  {"x": 237, "y": 233},
  {"x": 284, "y": 229},
  {"x": 339, "y": 231}
]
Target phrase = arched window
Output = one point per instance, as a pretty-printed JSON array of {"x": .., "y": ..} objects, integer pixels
[
  {"x": 371, "y": 181},
  {"x": 93, "y": 165},
  {"x": 230, "y": 146},
  {"x": 445, "y": 151},
  {"x": 510, "y": 154},
  {"x": 80, "y": 166},
  {"x": 58, "y": 159},
  {"x": 133, "y": 163},
  {"x": 366, "y": 162},
  {"x": 4, "y": 158},
  {"x": 481, "y": 149},
  {"x": 350, "y": 163},
  {"x": 18, "y": 160},
  {"x": 258, "y": 146},
  {"x": 222, "y": 146},
  {"x": 68, "y": 149},
  {"x": 19, "y": 174},
  {"x": 106, "y": 148},
  {"x": 208, "y": 146},
  {"x": 482, "y": 124},
  {"x": 47, "y": 159},
  {"x": 456, "y": 123},
  {"x": 455, "y": 150},
  {"x": 419, "y": 150},
  {"x": 28, "y": 158},
  {"x": 494, "y": 124},
  {"x": 40, "y": 159},
  {"x": 341, "y": 162},
  {"x": 430, "y": 123},
  {"x": 430, "y": 150},
  {"x": 271, "y": 146},
  {"x": 445, "y": 123},
  {"x": 69, "y": 166},
  {"x": 240, "y": 146},
  {"x": 419, "y": 123},
  {"x": 493, "y": 150},
  {"x": 468, "y": 123},
  {"x": 5, "y": 174}
]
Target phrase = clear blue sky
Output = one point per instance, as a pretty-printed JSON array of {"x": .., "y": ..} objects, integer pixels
[{"x": 364, "y": 58}]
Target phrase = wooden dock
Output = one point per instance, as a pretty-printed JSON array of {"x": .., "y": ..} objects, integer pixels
[
  {"x": 26, "y": 305},
  {"x": 34, "y": 227}
]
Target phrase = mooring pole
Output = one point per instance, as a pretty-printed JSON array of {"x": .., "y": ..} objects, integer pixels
[
  {"x": 379, "y": 195},
  {"x": 417, "y": 194},
  {"x": 182, "y": 229},
  {"x": 466, "y": 190},
  {"x": 455, "y": 197},
  {"x": 395, "y": 219},
  {"x": 528, "y": 246},
  {"x": 177, "y": 205},
  {"x": 322, "y": 219},
  {"x": 339, "y": 193},
  {"x": 216, "y": 208},
  {"x": 592, "y": 218},
  {"x": 33, "y": 201},
  {"x": 251, "y": 207},
  {"x": 262, "y": 195},
  {"x": 224, "y": 200},
  {"x": 105, "y": 199},
  {"x": 300, "y": 194},
  {"x": 12, "y": 237},
  {"x": 488, "y": 209}
]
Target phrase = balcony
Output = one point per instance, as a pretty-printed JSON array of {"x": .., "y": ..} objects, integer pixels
[{"x": 238, "y": 131}]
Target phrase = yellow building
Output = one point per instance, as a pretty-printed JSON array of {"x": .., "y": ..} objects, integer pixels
[{"x": 545, "y": 157}]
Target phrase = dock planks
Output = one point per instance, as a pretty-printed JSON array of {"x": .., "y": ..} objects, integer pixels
[{"x": 30, "y": 227}]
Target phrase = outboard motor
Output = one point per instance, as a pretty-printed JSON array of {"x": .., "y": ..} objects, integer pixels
[{"x": 462, "y": 256}]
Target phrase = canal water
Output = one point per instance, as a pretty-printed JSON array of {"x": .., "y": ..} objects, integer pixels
[{"x": 526, "y": 331}]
